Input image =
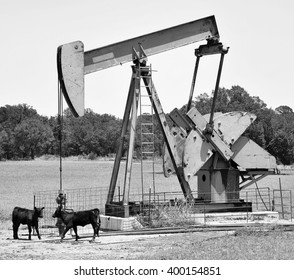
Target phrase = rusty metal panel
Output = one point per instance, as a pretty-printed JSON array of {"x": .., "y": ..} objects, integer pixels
[
  {"x": 249, "y": 155},
  {"x": 70, "y": 66},
  {"x": 213, "y": 138},
  {"x": 220, "y": 145},
  {"x": 179, "y": 119},
  {"x": 196, "y": 152},
  {"x": 197, "y": 118},
  {"x": 179, "y": 137},
  {"x": 152, "y": 43},
  {"x": 230, "y": 126}
]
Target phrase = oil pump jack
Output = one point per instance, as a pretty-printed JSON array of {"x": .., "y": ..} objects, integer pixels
[{"x": 210, "y": 147}]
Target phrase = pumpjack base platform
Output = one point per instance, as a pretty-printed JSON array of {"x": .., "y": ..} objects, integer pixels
[
  {"x": 117, "y": 209},
  {"x": 221, "y": 207}
]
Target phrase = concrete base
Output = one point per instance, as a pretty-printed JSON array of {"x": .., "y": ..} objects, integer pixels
[
  {"x": 232, "y": 218},
  {"x": 117, "y": 223},
  {"x": 201, "y": 219},
  {"x": 236, "y": 218}
]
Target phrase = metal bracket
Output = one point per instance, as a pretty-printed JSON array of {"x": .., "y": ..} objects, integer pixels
[
  {"x": 139, "y": 58},
  {"x": 210, "y": 49}
]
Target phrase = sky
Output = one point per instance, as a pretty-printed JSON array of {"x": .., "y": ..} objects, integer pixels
[{"x": 259, "y": 34}]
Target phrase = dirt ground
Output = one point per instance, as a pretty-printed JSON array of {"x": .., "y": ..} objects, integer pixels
[
  {"x": 259, "y": 242},
  {"x": 107, "y": 246}
]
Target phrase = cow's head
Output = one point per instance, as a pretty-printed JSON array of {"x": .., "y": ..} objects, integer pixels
[
  {"x": 39, "y": 212},
  {"x": 57, "y": 213}
]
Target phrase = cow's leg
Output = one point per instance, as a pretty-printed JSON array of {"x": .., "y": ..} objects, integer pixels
[
  {"x": 37, "y": 231},
  {"x": 94, "y": 226},
  {"x": 76, "y": 232},
  {"x": 98, "y": 227},
  {"x": 15, "y": 230},
  {"x": 30, "y": 231},
  {"x": 65, "y": 231}
]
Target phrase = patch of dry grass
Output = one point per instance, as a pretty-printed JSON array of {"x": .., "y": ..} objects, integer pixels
[
  {"x": 5, "y": 220},
  {"x": 261, "y": 243},
  {"x": 168, "y": 216}
]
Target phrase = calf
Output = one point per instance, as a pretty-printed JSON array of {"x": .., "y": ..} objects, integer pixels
[
  {"x": 26, "y": 217},
  {"x": 80, "y": 218}
]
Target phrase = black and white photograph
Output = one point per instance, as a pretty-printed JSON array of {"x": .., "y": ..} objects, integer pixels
[{"x": 141, "y": 140}]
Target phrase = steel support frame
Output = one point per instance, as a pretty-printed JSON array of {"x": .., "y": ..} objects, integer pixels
[
  {"x": 123, "y": 134},
  {"x": 130, "y": 117},
  {"x": 166, "y": 135}
]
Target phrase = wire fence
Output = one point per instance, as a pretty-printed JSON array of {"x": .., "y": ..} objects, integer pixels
[
  {"x": 283, "y": 203},
  {"x": 260, "y": 204},
  {"x": 76, "y": 200},
  {"x": 172, "y": 208}
]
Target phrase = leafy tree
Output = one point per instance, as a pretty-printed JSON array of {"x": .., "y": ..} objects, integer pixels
[
  {"x": 3, "y": 142},
  {"x": 10, "y": 117},
  {"x": 282, "y": 143},
  {"x": 32, "y": 137},
  {"x": 25, "y": 134},
  {"x": 92, "y": 133},
  {"x": 284, "y": 110},
  {"x": 270, "y": 127}
]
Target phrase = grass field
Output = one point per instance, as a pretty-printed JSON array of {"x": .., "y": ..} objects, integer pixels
[{"x": 20, "y": 179}]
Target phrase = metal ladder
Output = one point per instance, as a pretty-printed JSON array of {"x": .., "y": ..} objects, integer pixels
[{"x": 147, "y": 137}]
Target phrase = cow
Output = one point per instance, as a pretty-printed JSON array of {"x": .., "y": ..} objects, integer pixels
[
  {"x": 79, "y": 218},
  {"x": 26, "y": 217}
]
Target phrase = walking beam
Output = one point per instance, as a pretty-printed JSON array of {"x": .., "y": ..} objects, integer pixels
[
  {"x": 73, "y": 63},
  {"x": 153, "y": 43}
]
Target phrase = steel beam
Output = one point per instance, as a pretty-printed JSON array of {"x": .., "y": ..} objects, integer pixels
[
  {"x": 73, "y": 63},
  {"x": 132, "y": 122},
  {"x": 123, "y": 134},
  {"x": 153, "y": 43}
]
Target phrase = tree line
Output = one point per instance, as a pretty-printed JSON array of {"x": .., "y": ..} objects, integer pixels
[{"x": 24, "y": 134}]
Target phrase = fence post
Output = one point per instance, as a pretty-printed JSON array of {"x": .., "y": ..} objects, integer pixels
[
  {"x": 269, "y": 198},
  {"x": 149, "y": 204},
  {"x": 281, "y": 194},
  {"x": 34, "y": 208},
  {"x": 247, "y": 207},
  {"x": 291, "y": 204},
  {"x": 256, "y": 199},
  {"x": 204, "y": 212}
]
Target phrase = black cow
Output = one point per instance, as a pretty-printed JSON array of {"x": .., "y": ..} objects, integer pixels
[
  {"x": 26, "y": 217},
  {"x": 80, "y": 218}
]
